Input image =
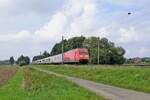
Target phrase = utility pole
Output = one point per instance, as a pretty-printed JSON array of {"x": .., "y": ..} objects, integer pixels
[
  {"x": 98, "y": 51},
  {"x": 62, "y": 50}
]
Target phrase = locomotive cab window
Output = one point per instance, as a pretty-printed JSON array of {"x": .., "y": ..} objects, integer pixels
[{"x": 83, "y": 53}]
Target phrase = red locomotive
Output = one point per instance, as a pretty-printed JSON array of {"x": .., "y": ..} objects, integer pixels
[{"x": 79, "y": 55}]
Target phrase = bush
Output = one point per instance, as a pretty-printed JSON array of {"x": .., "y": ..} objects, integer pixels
[{"x": 22, "y": 63}]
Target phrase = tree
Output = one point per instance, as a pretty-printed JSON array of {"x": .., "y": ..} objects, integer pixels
[
  {"x": 22, "y": 63},
  {"x": 27, "y": 60},
  {"x": 72, "y": 43},
  {"x": 23, "y": 60},
  {"x": 108, "y": 53},
  {"x": 12, "y": 61},
  {"x": 44, "y": 55}
]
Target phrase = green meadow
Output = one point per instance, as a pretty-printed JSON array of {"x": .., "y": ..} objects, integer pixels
[
  {"x": 135, "y": 78},
  {"x": 29, "y": 84}
]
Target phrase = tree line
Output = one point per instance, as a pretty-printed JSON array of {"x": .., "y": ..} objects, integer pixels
[
  {"x": 22, "y": 60},
  {"x": 138, "y": 60},
  {"x": 41, "y": 56},
  {"x": 4, "y": 62},
  {"x": 108, "y": 52}
]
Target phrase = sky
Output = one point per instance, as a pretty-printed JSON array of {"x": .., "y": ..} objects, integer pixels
[{"x": 31, "y": 26}]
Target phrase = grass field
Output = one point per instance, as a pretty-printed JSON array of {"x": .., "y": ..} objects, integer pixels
[
  {"x": 29, "y": 84},
  {"x": 136, "y": 78}
]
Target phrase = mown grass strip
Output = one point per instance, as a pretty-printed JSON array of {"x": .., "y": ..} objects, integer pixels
[
  {"x": 29, "y": 84},
  {"x": 135, "y": 78}
]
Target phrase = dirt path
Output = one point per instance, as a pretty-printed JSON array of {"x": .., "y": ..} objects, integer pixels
[{"x": 109, "y": 92}]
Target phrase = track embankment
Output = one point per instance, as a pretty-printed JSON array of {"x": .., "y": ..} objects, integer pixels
[{"x": 109, "y": 92}]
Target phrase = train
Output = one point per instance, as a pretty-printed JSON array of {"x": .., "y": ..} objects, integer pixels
[{"x": 75, "y": 56}]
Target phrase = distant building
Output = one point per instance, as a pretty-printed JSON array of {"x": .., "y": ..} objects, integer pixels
[{"x": 137, "y": 60}]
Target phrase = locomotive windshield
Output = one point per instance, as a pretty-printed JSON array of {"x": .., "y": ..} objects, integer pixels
[{"x": 83, "y": 52}]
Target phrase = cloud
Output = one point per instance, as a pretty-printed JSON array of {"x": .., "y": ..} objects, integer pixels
[
  {"x": 76, "y": 18},
  {"x": 5, "y": 3},
  {"x": 15, "y": 36},
  {"x": 68, "y": 22},
  {"x": 53, "y": 29},
  {"x": 144, "y": 51},
  {"x": 128, "y": 35},
  {"x": 122, "y": 2},
  {"x": 84, "y": 22},
  {"x": 34, "y": 6}
]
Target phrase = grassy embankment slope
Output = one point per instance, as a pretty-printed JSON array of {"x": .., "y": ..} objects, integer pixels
[
  {"x": 135, "y": 78},
  {"x": 29, "y": 84}
]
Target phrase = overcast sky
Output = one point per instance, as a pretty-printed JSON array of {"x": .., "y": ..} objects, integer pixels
[{"x": 30, "y": 26}]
